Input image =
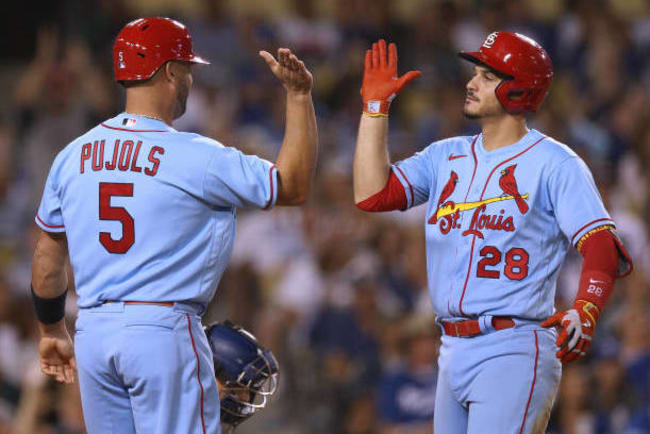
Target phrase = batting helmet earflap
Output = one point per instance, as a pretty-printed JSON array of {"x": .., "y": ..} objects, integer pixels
[
  {"x": 524, "y": 61},
  {"x": 144, "y": 45},
  {"x": 247, "y": 372}
]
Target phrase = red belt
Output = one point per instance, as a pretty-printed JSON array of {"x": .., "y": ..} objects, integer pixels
[
  {"x": 471, "y": 327},
  {"x": 157, "y": 303}
]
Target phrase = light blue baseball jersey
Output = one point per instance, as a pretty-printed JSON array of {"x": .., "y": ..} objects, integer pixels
[
  {"x": 149, "y": 212},
  {"x": 499, "y": 223}
]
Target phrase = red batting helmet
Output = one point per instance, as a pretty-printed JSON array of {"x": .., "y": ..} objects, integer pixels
[
  {"x": 524, "y": 61},
  {"x": 145, "y": 44}
]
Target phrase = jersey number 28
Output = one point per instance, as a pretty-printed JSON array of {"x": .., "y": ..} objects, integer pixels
[
  {"x": 117, "y": 213},
  {"x": 516, "y": 267}
]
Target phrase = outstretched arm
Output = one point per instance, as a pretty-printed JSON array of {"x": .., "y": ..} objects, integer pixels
[
  {"x": 380, "y": 86},
  {"x": 297, "y": 158}
]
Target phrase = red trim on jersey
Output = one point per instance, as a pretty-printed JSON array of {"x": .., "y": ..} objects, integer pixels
[
  {"x": 49, "y": 226},
  {"x": 590, "y": 223},
  {"x": 474, "y": 171},
  {"x": 198, "y": 368},
  {"x": 390, "y": 198},
  {"x": 460, "y": 303},
  {"x": 133, "y": 131},
  {"x": 270, "y": 182},
  {"x": 532, "y": 386},
  {"x": 408, "y": 182},
  {"x": 504, "y": 162}
]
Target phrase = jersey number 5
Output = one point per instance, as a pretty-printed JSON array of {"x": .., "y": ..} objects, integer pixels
[
  {"x": 108, "y": 212},
  {"x": 516, "y": 267}
]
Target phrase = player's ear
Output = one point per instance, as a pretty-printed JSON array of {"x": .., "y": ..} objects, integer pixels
[{"x": 169, "y": 72}]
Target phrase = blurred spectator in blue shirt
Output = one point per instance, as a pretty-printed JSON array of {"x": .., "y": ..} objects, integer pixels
[{"x": 406, "y": 395}]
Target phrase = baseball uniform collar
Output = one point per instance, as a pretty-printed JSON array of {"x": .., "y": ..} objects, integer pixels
[
  {"x": 531, "y": 137},
  {"x": 137, "y": 123}
]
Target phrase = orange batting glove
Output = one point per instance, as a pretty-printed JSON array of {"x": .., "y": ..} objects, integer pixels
[
  {"x": 577, "y": 329},
  {"x": 380, "y": 82}
]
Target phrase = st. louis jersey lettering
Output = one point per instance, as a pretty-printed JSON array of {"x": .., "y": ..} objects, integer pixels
[{"x": 499, "y": 223}]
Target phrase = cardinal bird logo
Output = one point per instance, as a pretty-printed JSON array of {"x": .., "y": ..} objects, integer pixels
[
  {"x": 508, "y": 184},
  {"x": 449, "y": 188}
]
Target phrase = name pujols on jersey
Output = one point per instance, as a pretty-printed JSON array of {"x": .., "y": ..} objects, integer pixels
[
  {"x": 124, "y": 157},
  {"x": 448, "y": 212}
]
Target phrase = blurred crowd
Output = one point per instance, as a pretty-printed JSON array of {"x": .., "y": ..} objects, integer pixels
[{"x": 339, "y": 295}]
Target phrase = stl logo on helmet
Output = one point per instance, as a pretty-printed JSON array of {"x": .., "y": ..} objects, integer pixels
[
  {"x": 448, "y": 212},
  {"x": 120, "y": 63},
  {"x": 489, "y": 41}
]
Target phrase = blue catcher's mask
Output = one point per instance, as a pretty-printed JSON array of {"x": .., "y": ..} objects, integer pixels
[{"x": 247, "y": 372}]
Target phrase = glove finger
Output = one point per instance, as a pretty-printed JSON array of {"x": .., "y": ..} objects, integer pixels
[
  {"x": 576, "y": 353},
  {"x": 392, "y": 56},
  {"x": 368, "y": 60},
  {"x": 569, "y": 357},
  {"x": 580, "y": 350},
  {"x": 563, "y": 351},
  {"x": 552, "y": 321},
  {"x": 382, "y": 54},
  {"x": 375, "y": 55},
  {"x": 575, "y": 334},
  {"x": 562, "y": 338},
  {"x": 406, "y": 79}
]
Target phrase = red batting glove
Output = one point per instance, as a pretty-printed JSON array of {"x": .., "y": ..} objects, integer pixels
[
  {"x": 380, "y": 82},
  {"x": 577, "y": 329}
]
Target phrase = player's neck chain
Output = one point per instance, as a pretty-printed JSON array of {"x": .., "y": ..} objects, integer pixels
[{"x": 146, "y": 116}]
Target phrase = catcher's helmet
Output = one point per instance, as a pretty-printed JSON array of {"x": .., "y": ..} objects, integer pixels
[
  {"x": 246, "y": 371},
  {"x": 145, "y": 44},
  {"x": 526, "y": 64}
]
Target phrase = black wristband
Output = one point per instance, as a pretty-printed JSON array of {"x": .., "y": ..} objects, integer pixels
[{"x": 49, "y": 310}]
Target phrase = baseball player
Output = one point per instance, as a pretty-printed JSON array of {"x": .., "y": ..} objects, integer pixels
[
  {"x": 147, "y": 216},
  {"x": 502, "y": 209}
]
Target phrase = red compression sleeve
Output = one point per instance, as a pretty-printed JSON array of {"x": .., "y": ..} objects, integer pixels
[
  {"x": 599, "y": 269},
  {"x": 392, "y": 197}
]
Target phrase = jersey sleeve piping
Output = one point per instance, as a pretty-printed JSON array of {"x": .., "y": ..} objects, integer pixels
[
  {"x": 589, "y": 227},
  {"x": 273, "y": 176},
  {"x": 410, "y": 199},
  {"x": 47, "y": 227}
]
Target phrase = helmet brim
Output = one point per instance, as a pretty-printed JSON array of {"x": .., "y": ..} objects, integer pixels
[
  {"x": 479, "y": 58},
  {"x": 473, "y": 56}
]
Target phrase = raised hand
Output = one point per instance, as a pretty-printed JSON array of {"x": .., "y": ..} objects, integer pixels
[
  {"x": 380, "y": 81},
  {"x": 290, "y": 70}
]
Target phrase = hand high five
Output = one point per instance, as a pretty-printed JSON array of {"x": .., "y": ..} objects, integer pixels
[
  {"x": 291, "y": 71},
  {"x": 380, "y": 81}
]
